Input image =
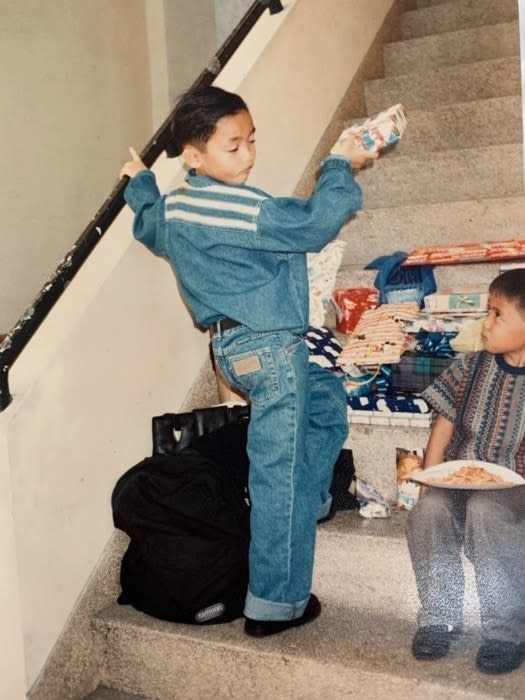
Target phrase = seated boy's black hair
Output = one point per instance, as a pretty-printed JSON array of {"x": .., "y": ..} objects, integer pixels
[
  {"x": 511, "y": 285},
  {"x": 196, "y": 115}
]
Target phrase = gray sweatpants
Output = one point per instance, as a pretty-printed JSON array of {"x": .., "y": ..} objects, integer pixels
[{"x": 490, "y": 526}]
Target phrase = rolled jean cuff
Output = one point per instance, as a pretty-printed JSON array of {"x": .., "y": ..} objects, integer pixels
[
  {"x": 324, "y": 508},
  {"x": 260, "y": 609}
]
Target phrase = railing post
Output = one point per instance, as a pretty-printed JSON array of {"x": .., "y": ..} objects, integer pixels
[
  {"x": 5, "y": 396},
  {"x": 274, "y": 6}
]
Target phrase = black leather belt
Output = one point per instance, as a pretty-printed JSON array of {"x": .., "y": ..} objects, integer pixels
[{"x": 223, "y": 324}]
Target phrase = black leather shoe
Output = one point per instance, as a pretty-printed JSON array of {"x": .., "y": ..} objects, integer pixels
[
  {"x": 264, "y": 628},
  {"x": 497, "y": 656},
  {"x": 432, "y": 642}
]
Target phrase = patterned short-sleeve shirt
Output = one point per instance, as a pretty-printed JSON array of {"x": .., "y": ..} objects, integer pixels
[{"x": 485, "y": 399}]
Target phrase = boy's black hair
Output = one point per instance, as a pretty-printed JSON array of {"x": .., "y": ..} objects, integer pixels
[
  {"x": 511, "y": 285},
  {"x": 196, "y": 115}
]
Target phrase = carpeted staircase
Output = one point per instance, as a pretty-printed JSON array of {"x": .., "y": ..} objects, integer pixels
[{"x": 456, "y": 176}]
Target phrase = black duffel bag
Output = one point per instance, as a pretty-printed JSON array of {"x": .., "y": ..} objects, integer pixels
[{"x": 186, "y": 511}]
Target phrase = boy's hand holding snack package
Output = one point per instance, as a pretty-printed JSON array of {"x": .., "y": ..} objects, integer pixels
[{"x": 378, "y": 131}]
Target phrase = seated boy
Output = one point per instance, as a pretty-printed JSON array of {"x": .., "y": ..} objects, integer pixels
[{"x": 479, "y": 402}]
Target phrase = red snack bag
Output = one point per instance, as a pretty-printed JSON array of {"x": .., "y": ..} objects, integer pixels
[{"x": 350, "y": 304}]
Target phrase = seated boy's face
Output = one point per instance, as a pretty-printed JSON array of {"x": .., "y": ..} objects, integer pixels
[
  {"x": 229, "y": 154},
  {"x": 504, "y": 328}
]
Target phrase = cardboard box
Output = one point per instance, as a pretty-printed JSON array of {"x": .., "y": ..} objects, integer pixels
[{"x": 460, "y": 300}]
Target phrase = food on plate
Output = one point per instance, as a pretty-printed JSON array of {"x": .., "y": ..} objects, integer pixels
[{"x": 469, "y": 475}]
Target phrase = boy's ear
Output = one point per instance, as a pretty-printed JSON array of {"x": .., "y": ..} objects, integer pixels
[{"x": 191, "y": 156}]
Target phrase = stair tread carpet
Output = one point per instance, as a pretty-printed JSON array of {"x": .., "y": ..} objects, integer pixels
[
  {"x": 351, "y": 650},
  {"x": 472, "y": 173},
  {"x": 426, "y": 89},
  {"x": 460, "y": 46},
  {"x": 105, "y": 693},
  {"x": 479, "y": 123},
  {"x": 414, "y": 225},
  {"x": 445, "y": 17}
]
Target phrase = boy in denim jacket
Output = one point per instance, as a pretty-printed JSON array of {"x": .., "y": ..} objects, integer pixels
[
  {"x": 240, "y": 259},
  {"x": 479, "y": 403}
]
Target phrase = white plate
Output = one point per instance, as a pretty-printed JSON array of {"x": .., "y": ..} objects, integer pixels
[{"x": 440, "y": 470}]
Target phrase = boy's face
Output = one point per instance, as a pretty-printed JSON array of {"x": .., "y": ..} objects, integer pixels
[
  {"x": 229, "y": 154},
  {"x": 503, "y": 329}
]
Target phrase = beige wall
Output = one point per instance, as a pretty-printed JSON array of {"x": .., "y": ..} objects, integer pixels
[
  {"x": 120, "y": 347},
  {"x": 522, "y": 42},
  {"x": 66, "y": 66}
]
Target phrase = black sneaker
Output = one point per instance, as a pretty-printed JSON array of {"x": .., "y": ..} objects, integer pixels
[
  {"x": 433, "y": 642},
  {"x": 264, "y": 628},
  {"x": 497, "y": 656}
]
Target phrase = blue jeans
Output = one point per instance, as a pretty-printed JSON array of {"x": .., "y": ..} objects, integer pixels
[
  {"x": 297, "y": 428},
  {"x": 490, "y": 527}
]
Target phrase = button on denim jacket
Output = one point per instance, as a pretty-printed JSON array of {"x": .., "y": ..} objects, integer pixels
[{"x": 238, "y": 252}]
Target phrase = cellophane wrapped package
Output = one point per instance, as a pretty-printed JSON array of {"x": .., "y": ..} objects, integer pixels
[{"x": 380, "y": 130}]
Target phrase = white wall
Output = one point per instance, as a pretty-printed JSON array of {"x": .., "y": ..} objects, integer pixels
[
  {"x": 191, "y": 41},
  {"x": 227, "y": 16},
  {"x": 522, "y": 43},
  {"x": 119, "y": 347},
  {"x": 66, "y": 66},
  {"x": 12, "y": 666}
]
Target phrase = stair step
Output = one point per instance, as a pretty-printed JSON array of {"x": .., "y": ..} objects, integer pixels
[
  {"x": 430, "y": 89},
  {"x": 105, "y": 693},
  {"x": 462, "y": 46},
  {"x": 351, "y": 650},
  {"x": 428, "y": 3},
  {"x": 480, "y": 123},
  {"x": 354, "y": 550},
  {"x": 450, "y": 16},
  {"x": 494, "y": 171},
  {"x": 413, "y": 225}
]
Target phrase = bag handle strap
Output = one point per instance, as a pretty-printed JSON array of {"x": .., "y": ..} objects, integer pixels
[{"x": 191, "y": 425}]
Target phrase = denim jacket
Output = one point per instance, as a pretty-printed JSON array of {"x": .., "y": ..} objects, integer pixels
[{"x": 238, "y": 252}]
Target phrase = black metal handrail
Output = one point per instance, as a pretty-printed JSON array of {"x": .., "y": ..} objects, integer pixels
[{"x": 29, "y": 322}]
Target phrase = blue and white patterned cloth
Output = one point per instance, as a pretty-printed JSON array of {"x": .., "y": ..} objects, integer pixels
[{"x": 324, "y": 347}]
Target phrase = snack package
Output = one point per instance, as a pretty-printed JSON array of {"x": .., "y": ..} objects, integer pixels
[
  {"x": 378, "y": 131},
  {"x": 379, "y": 337},
  {"x": 350, "y": 304},
  {"x": 448, "y": 254},
  {"x": 407, "y": 462}
]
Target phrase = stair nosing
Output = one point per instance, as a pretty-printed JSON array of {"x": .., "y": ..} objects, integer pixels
[
  {"x": 448, "y": 68},
  {"x": 341, "y": 638}
]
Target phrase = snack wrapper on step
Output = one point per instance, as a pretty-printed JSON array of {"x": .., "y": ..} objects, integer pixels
[{"x": 380, "y": 130}]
